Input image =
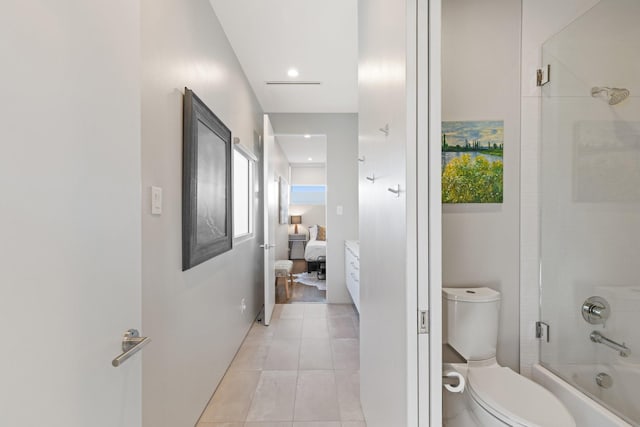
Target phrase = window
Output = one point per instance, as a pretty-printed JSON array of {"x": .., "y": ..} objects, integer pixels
[
  {"x": 243, "y": 167},
  {"x": 308, "y": 194}
]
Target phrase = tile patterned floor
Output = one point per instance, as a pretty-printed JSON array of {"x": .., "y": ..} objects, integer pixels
[{"x": 301, "y": 371}]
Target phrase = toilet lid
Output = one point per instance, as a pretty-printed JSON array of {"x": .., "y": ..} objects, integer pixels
[{"x": 513, "y": 398}]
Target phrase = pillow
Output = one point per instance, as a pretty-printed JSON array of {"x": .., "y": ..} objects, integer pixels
[
  {"x": 322, "y": 233},
  {"x": 313, "y": 232}
]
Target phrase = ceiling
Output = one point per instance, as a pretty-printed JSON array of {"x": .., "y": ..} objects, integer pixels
[
  {"x": 317, "y": 37},
  {"x": 299, "y": 149}
]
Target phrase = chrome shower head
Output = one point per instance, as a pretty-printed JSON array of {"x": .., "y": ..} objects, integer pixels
[{"x": 614, "y": 95}]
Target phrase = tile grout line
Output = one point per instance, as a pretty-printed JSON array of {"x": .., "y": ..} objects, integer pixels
[
  {"x": 253, "y": 395},
  {"x": 295, "y": 393},
  {"x": 295, "y": 396},
  {"x": 333, "y": 361}
]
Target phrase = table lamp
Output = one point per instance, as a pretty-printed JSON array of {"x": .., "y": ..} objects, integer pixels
[{"x": 296, "y": 219}]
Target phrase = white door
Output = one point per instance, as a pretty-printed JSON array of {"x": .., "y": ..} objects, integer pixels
[
  {"x": 388, "y": 253},
  {"x": 270, "y": 203},
  {"x": 69, "y": 213},
  {"x": 399, "y": 121}
]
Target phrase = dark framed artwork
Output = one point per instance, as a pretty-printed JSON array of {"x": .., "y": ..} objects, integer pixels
[
  {"x": 284, "y": 200},
  {"x": 207, "y": 228}
]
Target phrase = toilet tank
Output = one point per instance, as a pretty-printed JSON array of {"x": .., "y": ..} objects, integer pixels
[{"x": 471, "y": 321}]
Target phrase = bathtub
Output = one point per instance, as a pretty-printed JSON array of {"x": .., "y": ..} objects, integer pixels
[{"x": 586, "y": 411}]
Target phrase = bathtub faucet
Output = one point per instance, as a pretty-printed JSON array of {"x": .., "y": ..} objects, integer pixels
[{"x": 601, "y": 339}]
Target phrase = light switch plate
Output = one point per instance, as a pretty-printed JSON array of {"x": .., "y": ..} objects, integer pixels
[
  {"x": 339, "y": 210},
  {"x": 156, "y": 201}
]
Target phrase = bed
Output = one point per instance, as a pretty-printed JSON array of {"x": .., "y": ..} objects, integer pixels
[
  {"x": 315, "y": 252},
  {"x": 315, "y": 249}
]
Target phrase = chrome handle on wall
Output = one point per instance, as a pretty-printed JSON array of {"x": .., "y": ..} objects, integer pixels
[
  {"x": 132, "y": 343},
  {"x": 595, "y": 310},
  {"x": 597, "y": 337},
  {"x": 371, "y": 178}
]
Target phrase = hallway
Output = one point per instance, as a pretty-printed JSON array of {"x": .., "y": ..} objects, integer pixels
[{"x": 301, "y": 371}]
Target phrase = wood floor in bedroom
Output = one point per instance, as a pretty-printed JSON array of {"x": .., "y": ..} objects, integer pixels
[
  {"x": 300, "y": 293},
  {"x": 301, "y": 371}
]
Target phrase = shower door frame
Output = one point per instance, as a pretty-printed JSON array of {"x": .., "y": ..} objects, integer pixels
[{"x": 549, "y": 94}]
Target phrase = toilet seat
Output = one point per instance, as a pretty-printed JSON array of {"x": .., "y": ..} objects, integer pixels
[{"x": 514, "y": 399}]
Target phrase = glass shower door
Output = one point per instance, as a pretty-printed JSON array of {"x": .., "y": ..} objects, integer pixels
[{"x": 590, "y": 205}]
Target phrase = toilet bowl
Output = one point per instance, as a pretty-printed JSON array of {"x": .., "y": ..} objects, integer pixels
[{"x": 496, "y": 395}]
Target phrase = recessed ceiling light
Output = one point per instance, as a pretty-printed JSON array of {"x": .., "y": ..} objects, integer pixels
[
  {"x": 307, "y": 136},
  {"x": 293, "y": 72},
  {"x": 310, "y": 159},
  {"x": 292, "y": 83}
]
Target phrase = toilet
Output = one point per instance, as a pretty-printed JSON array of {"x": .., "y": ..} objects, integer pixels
[{"x": 496, "y": 395}]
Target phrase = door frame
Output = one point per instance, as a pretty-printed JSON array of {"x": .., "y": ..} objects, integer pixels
[
  {"x": 268, "y": 201},
  {"x": 429, "y": 108}
]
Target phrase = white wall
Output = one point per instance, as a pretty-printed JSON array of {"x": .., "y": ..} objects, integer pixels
[
  {"x": 481, "y": 81},
  {"x": 311, "y": 215},
  {"x": 69, "y": 212},
  {"x": 342, "y": 185},
  {"x": 194, "y": 316},
  {"x": 308, "y": 175}
]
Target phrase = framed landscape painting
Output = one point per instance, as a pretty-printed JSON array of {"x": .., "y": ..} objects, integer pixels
[{"x": 472, "y": 165}]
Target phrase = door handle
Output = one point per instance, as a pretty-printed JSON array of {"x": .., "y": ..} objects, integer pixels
[
  {"x": 132, "y": 343},
  {"x": 267, "y": 246}
]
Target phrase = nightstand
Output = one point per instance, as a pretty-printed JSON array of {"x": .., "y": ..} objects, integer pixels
[{"x": 297, "y": 244}]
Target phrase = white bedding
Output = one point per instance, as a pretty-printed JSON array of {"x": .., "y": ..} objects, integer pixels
[{"x": 314, "y": 249}]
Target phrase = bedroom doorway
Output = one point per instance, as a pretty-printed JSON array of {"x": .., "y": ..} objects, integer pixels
[{"x": 306, "y": 155}]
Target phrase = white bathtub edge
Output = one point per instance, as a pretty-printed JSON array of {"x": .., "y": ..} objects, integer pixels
[{"x": 585, "y": 411}]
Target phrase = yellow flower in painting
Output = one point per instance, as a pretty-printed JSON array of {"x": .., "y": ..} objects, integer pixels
[{"x": 468, "y": 180}]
